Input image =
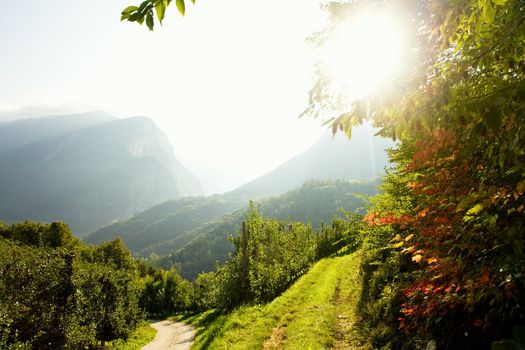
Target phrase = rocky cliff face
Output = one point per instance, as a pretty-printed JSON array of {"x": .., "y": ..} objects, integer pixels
[{"x": 87, "y": 171}]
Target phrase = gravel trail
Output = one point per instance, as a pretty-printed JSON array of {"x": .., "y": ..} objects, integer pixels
[{"x": 171, "y": 335}]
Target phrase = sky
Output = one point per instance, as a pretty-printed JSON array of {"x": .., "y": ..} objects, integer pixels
[{"x": 226, "y": 83}]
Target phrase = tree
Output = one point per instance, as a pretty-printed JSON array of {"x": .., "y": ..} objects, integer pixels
[
  {"x": 36, "y": 296},
  {"x": 458, "y": 113},
  {"x": 55, "y": 295},
  {"x": 58, "y": 234},
  {"x": 115, "y": 253}
]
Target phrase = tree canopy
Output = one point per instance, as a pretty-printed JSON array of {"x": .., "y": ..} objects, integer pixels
[{"x": 458, "y": 112}]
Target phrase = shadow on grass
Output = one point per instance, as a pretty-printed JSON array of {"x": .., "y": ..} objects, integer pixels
[{"x": 209, "y": 324}]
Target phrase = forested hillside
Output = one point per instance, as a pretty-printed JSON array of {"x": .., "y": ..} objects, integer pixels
[
  {"x": 148, "y": 231},
  {"x": 315, "y": 202},
  {"x": 195, "y": 230},
  {"x": 86, "y": 170}
]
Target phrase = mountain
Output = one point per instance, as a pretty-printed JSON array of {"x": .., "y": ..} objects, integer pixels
[
  {"x": 314, "y": 202},
  {"x": 87, "y": 169},
  {"x": 14, "y": 134},
  {"x": 361, "y": 157},
  {"x": 148, "y": 231}
]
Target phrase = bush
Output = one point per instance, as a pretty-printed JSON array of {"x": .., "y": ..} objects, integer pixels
[{"x": 55, "y": 295}]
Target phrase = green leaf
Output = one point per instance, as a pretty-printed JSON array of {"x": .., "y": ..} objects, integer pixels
[
  {"x": 400, "y": 129},
  {"x": 501, "y": 160},
  {"x": 475, "y": 209},
  {"x": 160, "y": 8},
  {"x": 135, "y": 17},
  {"x": 462, "y": 204},
  {"x": 193, "y": 2},
  {"x": 129, "y": 9},
  {"x": 499, "y": 2},
  {"x": 398, "y": 245},
  {"x": 149, "y": 21},
  {"x": 488, "y": 13},
  {"x": 143, "y": 6},
  {"x": 181, "y": 7},
  {"x": 348, "y": 132},
  {"x": 481, "y": 3},
  {"x": 424, "y": 119}
]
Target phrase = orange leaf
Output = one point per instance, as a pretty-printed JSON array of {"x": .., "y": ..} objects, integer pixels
[
  {"x": 485, "y": 278},
  {"x": 411, "y": 185},
  {"x": 417, "y": 258},
  {"x": 432, "y": 260},
  {"x": 423, "y": 212}
]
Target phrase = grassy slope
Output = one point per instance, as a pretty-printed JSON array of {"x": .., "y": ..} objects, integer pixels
[
  {"x": 315, "y": 313},
  {"x": 140, "y": 337}
]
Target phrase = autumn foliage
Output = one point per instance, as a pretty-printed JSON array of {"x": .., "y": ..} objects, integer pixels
[
  {"x": 468, "y": 242},
  {"x": 447, "y": 242}
]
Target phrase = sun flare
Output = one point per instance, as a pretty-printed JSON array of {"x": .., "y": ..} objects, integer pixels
[{"x": 363, "y": 53}]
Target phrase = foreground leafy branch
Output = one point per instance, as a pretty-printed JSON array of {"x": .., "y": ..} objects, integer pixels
[{"x": 149, "y": 9}]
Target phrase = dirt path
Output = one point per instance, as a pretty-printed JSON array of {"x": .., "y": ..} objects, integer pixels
[
  {"x": 346, "y": 298},
  {"x": 171, "y": 335}
]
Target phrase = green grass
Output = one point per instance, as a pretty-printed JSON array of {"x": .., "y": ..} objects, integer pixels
[
  {"x": 346, "y": 299},
  {"x": 313, "y": 314},
  {"x": 140, "y": 337}
]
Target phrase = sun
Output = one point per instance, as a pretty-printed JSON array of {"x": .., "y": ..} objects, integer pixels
[{"x": 363, "y": 53}]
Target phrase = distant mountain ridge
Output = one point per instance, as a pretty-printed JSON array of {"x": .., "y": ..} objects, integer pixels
[
  {"x": 331, "y": 157},
  {"x": 17, "y": 133},
  {"x": 87, "y": 169}
]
